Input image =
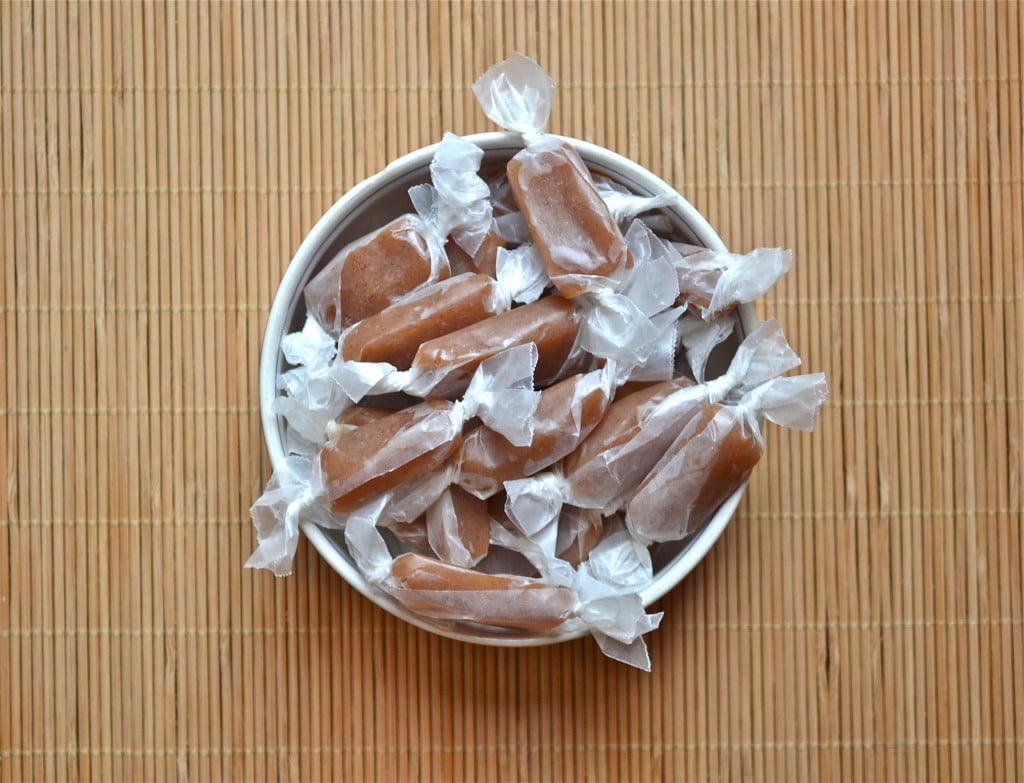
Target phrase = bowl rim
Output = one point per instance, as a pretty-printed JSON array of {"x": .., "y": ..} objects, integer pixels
[{"x": 289, "y": 289}]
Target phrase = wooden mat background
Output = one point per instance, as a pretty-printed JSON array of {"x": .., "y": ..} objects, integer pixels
[{"x": 861, "y": 619}]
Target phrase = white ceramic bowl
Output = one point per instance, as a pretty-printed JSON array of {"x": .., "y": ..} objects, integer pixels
[{"x": 371, "y": 204}]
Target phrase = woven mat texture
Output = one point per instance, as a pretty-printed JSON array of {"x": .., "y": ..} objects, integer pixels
[{"x": 862, "y": 618}]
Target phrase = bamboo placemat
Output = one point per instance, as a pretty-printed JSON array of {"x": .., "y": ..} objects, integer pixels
[{"x": 861, "y": 619}]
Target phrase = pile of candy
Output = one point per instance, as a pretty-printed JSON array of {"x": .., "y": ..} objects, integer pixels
[{"x": 501, "y": 398}]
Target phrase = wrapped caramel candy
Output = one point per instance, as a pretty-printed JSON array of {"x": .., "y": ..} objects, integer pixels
[
  {"x": 577, "y": 237},
  {"x": 485, "y": 259},
  {"x": 714, "y": 454},
  {"x": 447, "y": 592},
  {"x": 369, "y": 460},
  {"x": 370, "y": 273},
  {"x": 413, "y": 534},
  {"x": 623, "y": 205},
  {"x": 565, "y": 415},
  {"x": 458, "y": 527},
  {"x": 579, "y": 530},
  {"x": 443, "y": 366},
  {"x": 600, "y": 597},
  {"x": 381, "y": 267},
  {"x": 609, "y": 465},
  {"x": 713, "y": 282},
  {"x": 606, "y": 585},
  {"x": 574, "y": 232},
  {"x": 395, "y": 334}
]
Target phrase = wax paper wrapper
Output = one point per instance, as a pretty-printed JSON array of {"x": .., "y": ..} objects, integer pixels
[{"x": 714, "y": 282}]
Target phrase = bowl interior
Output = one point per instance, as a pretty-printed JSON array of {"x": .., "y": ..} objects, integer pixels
[{"x": 384, "y": 197}]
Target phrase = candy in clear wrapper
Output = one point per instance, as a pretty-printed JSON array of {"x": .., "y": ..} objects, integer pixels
[
  {"x": 484, "y": 260},
  {"x": 443, "y": 366},
  {"x": 367, "y": 461},
  {"x": 579, "y": 530},
  {"x": 447, "y": 592},
  {"x": 578, "y": 240},
  {"x": 606, "y": 586},
  {"x": 714, "y": 282},
  {"x": 714, "y": 455},
  {"x": 458, "y": 527},
  {"x": 574, "y": 232},
  {"x": 376, "y": 457},
  {"x": 375, "y": 270},
  {"x": 565, "y": 415},
  {"x": 412, "y": 534},
  {"x": 635, "y": 433},
  {"x": 623, "y": 205},
  {"x": 385, "y": 265},
  {"x": 395, "y": 334}
]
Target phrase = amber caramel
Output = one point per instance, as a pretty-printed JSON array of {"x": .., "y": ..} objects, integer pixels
[
  {"x": 372, "y": 272},
  {"x": 571, "y": 226},
  {"x": 579, "y": 530},
  {"x": 396, "y": 333},
  {"x": 565, "y": 415},
  {"x": 367, "y": 461},
  {"x": 447, "y": 592},
  {"x": 458, "y": 527},
  {"x": 593, "y": 481},
  {"x": 549, "y": 323},
  {"x": 483, "y": 261},
  {"x": 682, "y": 493},
  {"x": 412, "y": 533}
]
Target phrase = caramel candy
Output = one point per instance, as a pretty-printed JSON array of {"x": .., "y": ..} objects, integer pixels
[
  {"x": 450, "y": 361},
  {"x": 396, "y": 333},
  {"x": 413, "y": 533},
  {"x": 579, "y": 530},
  {"x": 355, "y": 416},
  {"x": 639, "y": 437},
  {"x": 698, "y": 276},
  {"x": 710, "y": 460},
  {"x": 372, "y": 272},
  {"x": 713, "y": 283},
  {"x": 565, "y": 415},
  {"x": 362, "y": 464},
  {"x": 571, "y": 226},
  {"x": 447, "y": 592},
  {"x": 358, "y": 415},
  {"x": 483, "y": 261},
  {"x": 458, "y": 527}
]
